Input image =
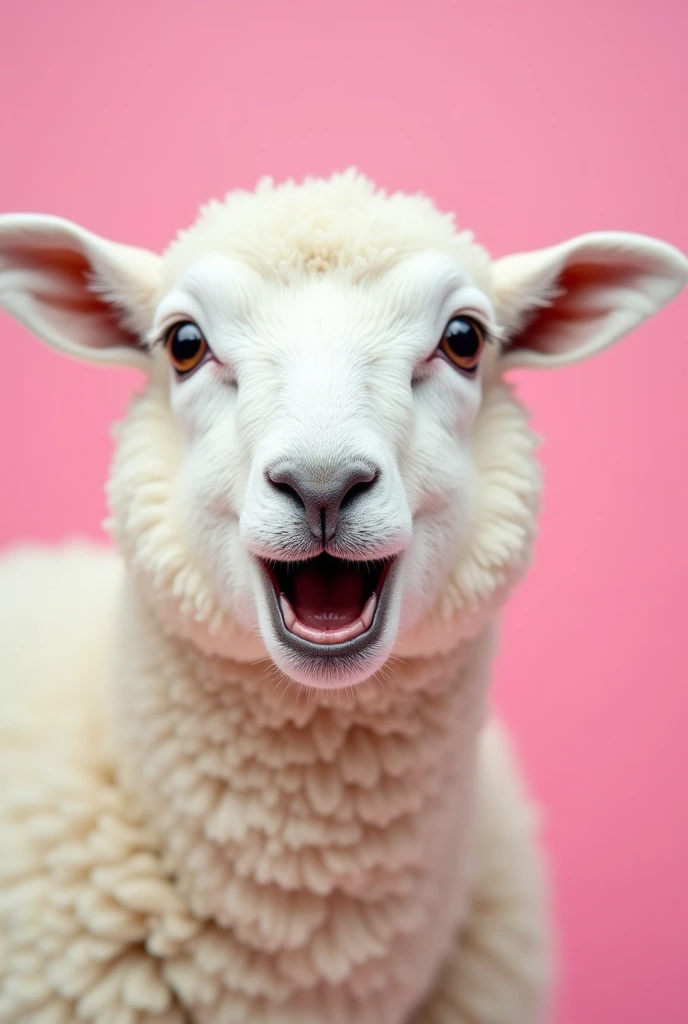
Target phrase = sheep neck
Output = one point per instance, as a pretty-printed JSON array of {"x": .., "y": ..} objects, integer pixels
[{"x": 279, "y": 810}]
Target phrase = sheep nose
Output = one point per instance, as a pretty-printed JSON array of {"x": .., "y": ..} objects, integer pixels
[{"x": 323, "y": 495}]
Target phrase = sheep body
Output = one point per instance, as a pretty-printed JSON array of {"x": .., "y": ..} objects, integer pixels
[
  {"x": 189, "y": 834},
  {"x": 321, "y": 924}
]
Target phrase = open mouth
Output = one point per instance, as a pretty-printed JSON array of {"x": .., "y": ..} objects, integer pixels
[{"x": 327, "y": 600}]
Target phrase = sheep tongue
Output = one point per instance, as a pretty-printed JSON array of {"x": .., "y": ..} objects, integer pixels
[{"x": 327, "y": 595}]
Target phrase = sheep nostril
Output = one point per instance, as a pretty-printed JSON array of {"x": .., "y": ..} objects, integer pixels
[
  {"x": 285, "y": 488},
  {"x": 287, "y": 483},
  {"x": 357, "y": 488}
]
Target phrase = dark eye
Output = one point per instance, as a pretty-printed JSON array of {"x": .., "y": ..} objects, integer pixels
[
  {"x": 186, "y": 346},
  {"x": 462, "y": 343}
]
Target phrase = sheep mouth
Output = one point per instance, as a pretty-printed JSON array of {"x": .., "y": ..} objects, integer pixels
[{"x": 326, "y": 600}]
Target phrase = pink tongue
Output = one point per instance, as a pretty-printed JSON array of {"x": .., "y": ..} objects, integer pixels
[{"x": 327, "y": 600}]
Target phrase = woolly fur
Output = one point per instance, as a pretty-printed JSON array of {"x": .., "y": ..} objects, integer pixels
[
  {"x": 343, "y": 224},
  {"x": 186, "y": 836}
]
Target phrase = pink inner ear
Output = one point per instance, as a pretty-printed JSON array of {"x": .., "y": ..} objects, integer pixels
[
  {"x": 584, "y": 295},
  {"x": 61, "y": 282}
]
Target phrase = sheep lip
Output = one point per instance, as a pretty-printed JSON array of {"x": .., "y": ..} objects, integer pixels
[{"x": 327, "y": 604}]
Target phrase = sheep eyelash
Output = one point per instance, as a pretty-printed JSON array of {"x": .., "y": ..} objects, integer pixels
[
  {"x": 157, "y": 336},
  {"x": 492, "y": 333},
  {"x": 495, "y": 335}
]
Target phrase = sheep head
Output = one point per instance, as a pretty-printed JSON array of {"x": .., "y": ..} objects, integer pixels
[{"x": 325, "y": 462}]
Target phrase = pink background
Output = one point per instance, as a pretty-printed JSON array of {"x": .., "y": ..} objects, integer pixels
[{"x": 534, "y": 121}]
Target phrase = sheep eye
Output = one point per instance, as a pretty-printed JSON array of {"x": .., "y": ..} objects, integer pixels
[
  {"x": 186, "y": 346},
  {"x": 462, "y": 343}
]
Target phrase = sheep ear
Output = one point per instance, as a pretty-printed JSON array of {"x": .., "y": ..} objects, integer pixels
[
  {"x": 83, "y": 295},
  {"x": 568, "y": 302}
]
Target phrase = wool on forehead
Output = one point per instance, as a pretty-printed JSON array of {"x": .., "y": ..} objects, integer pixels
[{"x": 343, "y": 223}]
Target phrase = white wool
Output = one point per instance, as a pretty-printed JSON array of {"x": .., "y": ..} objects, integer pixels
[
  {"x": 189, "y": 835},
  {"x": 304, "y": 834},
  {"x": 343, "y": 224}
]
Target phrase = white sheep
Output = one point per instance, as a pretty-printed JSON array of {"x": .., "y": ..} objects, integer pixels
[{"x": 250, "y": 777}]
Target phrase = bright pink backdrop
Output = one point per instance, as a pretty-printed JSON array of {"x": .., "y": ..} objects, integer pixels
[{"x": 534, "y": 121}]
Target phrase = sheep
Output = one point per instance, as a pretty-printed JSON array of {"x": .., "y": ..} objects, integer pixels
[{"x": 250, "y": 775}]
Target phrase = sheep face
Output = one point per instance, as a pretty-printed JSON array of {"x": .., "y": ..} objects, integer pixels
[
  {"x": 326, "y": 478},
  {"x": 326, "y": 463}
]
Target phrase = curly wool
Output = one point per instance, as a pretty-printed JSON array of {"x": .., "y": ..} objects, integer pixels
[
  {"x": 306, "y": 856},
  {"x": 312, "y": 834}
]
